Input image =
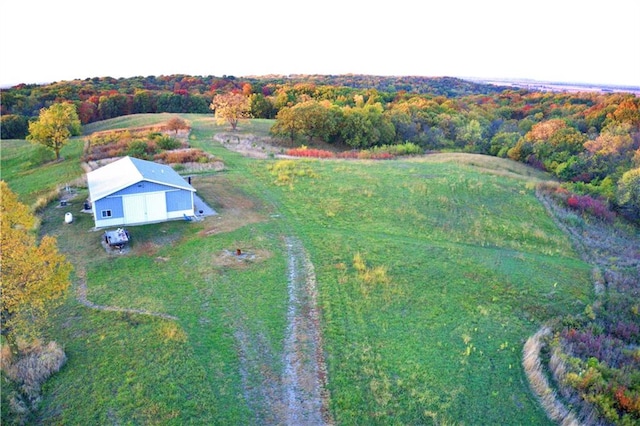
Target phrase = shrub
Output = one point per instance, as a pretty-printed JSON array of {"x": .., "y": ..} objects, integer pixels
[
  {"x": 348, "y": 154},
  {"x": 183, "y": 156},
  {"x": 167, "y": 143},
  {"x": 585, "y": 204},
  {"x": 384, "y": 152},
  {"x": 142, "y": 149},
  {"x": 5, "y": 355},
  {"x": 370, "y": 155},
  {"x": 407, "y": 148},
  {"x": 118, "y": 143},
  {"x": 311, "y": 153},
  {"x": 35, "y": 366}
]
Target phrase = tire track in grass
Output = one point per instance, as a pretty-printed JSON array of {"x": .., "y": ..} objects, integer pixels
[
  {"x": 305, "y": 374},
  {"x": 298, "y": 395},
  {"x": 261, "y": 385}
]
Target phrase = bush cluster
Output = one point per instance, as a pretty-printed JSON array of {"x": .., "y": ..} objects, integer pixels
[
  {"x": 142, "y": 145},
  {"x": 384, "y": 152},
  {"x": 602, "y": 364},
  {"x": 191, "y": 155},
  {"x": 593, "y": 206},
  {"x": 585, "y": 204}
]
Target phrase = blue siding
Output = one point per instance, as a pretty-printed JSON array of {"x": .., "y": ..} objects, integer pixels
[
  {"x": 178, "y": 200},
  {"x": 113, "y": 204},
  {"x": 142, "y": 187}
]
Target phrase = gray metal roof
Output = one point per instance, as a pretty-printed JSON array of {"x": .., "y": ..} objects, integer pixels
[{"x": 128, "y": 171}]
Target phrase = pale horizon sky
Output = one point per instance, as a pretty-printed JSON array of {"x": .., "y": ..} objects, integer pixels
[{"x": 549, "y": 40}]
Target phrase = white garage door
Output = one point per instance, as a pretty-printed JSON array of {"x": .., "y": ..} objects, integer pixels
[{"x": 142, "y": 208}]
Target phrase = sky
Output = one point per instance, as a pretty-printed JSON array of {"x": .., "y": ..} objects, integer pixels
[{"x": 576, "y": 41}]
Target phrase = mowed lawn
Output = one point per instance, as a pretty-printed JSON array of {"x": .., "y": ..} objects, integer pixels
[{"x": 432, "y": 273}]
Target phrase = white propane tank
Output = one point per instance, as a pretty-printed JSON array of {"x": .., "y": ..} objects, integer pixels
[{"x": 68, "y": 217}]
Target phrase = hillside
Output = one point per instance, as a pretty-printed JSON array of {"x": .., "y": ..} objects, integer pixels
[{"x": 426, "y": 277}]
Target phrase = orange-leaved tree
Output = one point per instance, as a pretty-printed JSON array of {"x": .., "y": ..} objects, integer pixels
[
  {"x": 34, "y": 275},
  {"x": 230, "y": 108},
  {"x": 176, "y": 124}
]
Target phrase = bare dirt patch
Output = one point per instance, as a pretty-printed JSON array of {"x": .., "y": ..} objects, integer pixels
[
  {"x": 235, "y": 260},
  {"x": 249, "y": 145},
  {"x": 234, "y": 208},
  {"x": 254, "y": 146}
]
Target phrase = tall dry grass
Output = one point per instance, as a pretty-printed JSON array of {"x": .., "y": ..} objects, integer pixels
[
  {"x": 548, "y": 398},
  {"x": 56, "y": 193},
  {"x": 34, "y": 364}
]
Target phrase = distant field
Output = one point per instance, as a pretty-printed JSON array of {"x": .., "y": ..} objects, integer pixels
[
  {"x": 561, "y": 86},
  {"x": 127, "y": 121},
  {"x": 431, "y": 274}
]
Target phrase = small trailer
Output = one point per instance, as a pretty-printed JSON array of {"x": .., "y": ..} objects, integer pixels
[{"x": 117, "y": 238}]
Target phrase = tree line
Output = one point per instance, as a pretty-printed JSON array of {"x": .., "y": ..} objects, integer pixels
[
  {"x": 590, "y": 139},
  {"x": 101, "y": 98}
]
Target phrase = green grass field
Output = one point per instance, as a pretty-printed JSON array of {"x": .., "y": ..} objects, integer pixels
[{"x": 431, "y": 272}]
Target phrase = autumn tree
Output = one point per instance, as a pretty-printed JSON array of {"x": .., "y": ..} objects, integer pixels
[
  {"x": 628, "y": 111},
  {"x": 261, "y": 106},
  {"x": 628, "y": 196},
  {"x": 469, "y": 135},
  {"x": 55, "y": 126},
  {"x": 317, "y": 118},
  {"x": 230, "y": 108},
  {"x": 366, "y": 126},
  {"x": 613, "y": 151},
  {"x": 541, "y": 132},
  {"x": 176, "y": 124},
  {"x": 34, "y": 276},
  {"x": 288, "y": 124}
]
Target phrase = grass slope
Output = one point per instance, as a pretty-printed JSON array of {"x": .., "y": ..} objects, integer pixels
[
  {"x": 30, "y": 171},
  {"x": 472, "y": 265},
  {"x": 432, "y": 273}
]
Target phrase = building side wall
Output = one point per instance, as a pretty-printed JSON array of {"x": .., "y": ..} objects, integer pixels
[
  {"x": 112, "y": 204},
  {"x": 179, "y": 200}
]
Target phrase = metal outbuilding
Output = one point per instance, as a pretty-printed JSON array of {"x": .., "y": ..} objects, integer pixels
[{"x": 131, "y": 191}]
